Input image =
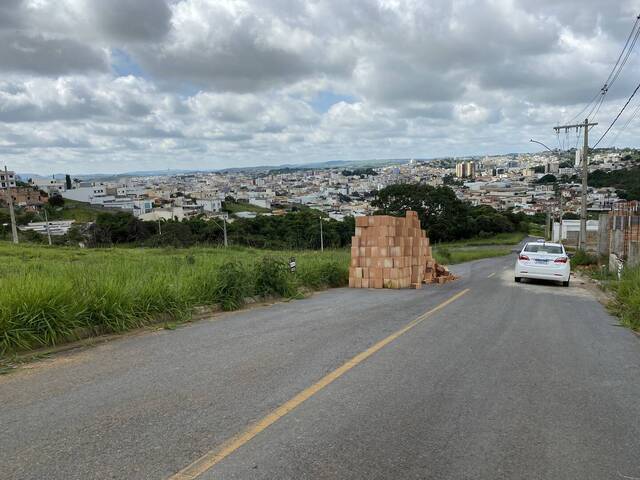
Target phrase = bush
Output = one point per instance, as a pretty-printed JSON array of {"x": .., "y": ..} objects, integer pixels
[
  {"x": 323, "y": 275},
  {"x": 272, "y": 277},
  {"x": 232, "y": 285},
  {"x": 583, "y": 258},
  {"x": 443, "y": 254}
]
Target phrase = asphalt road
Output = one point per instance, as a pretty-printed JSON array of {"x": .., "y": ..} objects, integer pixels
[{"x": 507, "y": 381}]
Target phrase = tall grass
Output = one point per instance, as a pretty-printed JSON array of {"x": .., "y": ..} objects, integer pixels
[
  {"x": 52, "y": 295},
  {"x": 627, "y": 303},
  {"x": 449, "y": 256}
]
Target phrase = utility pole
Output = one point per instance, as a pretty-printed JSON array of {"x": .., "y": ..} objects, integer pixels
[
  {"x": 12, "y": 214},
  {"x": 321, "y": 237},
  {"x": 582, "y": 241},
  {"x": 224, "y": 230},
  {"x": 547, "y": 225},
  {"x": 46, "y": 221}
]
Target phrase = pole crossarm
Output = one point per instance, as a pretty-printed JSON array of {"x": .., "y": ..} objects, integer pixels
[{"x": 577, "y": 125}]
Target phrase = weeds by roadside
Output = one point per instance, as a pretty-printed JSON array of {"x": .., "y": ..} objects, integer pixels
[
  {"x": 51, "y": 296},
  {"x": 627, "y": 298}
]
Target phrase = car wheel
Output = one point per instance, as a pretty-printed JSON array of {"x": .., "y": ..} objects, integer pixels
[
  {"x": 517, "y": 279},
  {"x": 565, "y": 284}
]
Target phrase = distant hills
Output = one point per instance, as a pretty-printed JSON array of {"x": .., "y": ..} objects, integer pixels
[{"x": 257, "y": 169}]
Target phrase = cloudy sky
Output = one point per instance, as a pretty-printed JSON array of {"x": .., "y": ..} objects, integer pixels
[{"x": 92, "y": 86}]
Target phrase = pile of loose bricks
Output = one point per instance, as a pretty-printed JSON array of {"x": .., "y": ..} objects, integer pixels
[{"x": 392, "y": 252}]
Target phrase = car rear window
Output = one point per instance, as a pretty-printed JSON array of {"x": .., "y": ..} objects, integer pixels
[{"x": 542, "y": 248}]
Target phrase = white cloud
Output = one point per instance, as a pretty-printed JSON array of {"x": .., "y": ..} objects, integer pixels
[{"x": 89, "y": 85}]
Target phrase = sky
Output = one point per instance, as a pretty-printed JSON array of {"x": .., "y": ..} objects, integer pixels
[{"x": 97, "y": 86}]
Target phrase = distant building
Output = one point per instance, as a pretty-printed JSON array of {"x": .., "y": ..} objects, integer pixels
[
  {"x": 466, "y": 169},
  {"x": 23, "y": 196},
  {"x": 8, "y": 179}
]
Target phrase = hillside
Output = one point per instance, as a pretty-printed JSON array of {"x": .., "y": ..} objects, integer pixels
[{"x": 625, "y": 181}]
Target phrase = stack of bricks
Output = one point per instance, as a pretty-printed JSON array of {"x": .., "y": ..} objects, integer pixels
[{"x": 392, "y": 252}]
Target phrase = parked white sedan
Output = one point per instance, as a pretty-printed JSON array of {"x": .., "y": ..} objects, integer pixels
[{"x": 543, "y": 261}]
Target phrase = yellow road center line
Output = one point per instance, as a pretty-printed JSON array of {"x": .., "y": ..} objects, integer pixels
[
  {"x": 491, "y": 275},
  {"x": 211, "y": 458}
]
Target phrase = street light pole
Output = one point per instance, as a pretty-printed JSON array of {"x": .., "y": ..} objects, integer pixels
[{"x": 547, "y": 230}]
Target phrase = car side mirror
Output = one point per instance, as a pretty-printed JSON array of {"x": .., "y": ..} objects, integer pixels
[{"x": 570, "y": 254}]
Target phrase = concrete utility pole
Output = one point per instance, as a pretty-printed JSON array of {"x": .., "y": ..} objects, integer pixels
[
  {"x": 224, "y": 230},
  {"x": 12, "y": 214},
  {"x": 582, "y": 242},
  {"x": 46, "y": 221},
  {"x": 547, "y": 226}
]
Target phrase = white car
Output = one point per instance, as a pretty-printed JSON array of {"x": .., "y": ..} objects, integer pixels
[{"x": 543, "y": 261}]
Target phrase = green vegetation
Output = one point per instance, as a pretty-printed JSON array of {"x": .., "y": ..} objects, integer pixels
[
  {"x": 79, "y": 211},
  {"x": 445, "y": 216},
  {"x": 536, "y": 230},
  {"x": 583, "y": 258},
  {"x": 296, "y": 231},
  {"x": 234, "y": 207},
  {"x": 448, "y": 256},
  {"x": 548, "y": 178},
  {"x": 627, "y": 294},
  {"x": 625, "y": 181},
  {"x": 450, "y": 253},
  {"x": 52, "y": 295},
  {"x": 359, "y": 172}
]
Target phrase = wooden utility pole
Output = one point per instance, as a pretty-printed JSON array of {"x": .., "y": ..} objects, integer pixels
[
  {"x": 12, "y": 213},
  {"x": 582, "y": 241}
]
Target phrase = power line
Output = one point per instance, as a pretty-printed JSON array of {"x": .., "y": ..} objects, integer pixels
[
  {"x": 627, "y": 123},
  {"x": 614, "y": 74},
  {"x": 617, "y": 116},
  {"x": 611, "y": 81}
]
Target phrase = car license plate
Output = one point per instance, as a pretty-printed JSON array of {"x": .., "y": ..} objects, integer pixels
[{"x": 541, "y": 261}]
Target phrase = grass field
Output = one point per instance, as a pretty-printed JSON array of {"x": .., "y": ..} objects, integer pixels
[
  {"x": 476, "y": 248},
  {"x": 233, "y": 207},
  {"x": 79, "y": 211},
  {"x": 53, "y": 295}
]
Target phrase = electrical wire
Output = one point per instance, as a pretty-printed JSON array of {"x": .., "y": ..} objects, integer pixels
[
  {"x": 627, "y": 123},
  {"x": 617, "y": 116},
  {"x": 629, "y": 45}
]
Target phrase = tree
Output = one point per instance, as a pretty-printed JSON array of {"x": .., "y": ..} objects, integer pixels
[
  {"x": 548, "y": 178},
  {"x": 626, "y": 181},
  {"x": 441, "y": 213},
  {"x": 67, "y": 181},
  {"x": 56, "y": 200}
]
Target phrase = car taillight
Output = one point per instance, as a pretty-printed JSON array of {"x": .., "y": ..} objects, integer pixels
[
  {"x": 560, "y": 260},
  {"x": 523, "y": 257}
]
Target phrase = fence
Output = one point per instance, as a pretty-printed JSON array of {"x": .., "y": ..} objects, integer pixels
[{"x": 620, "y": 232}]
